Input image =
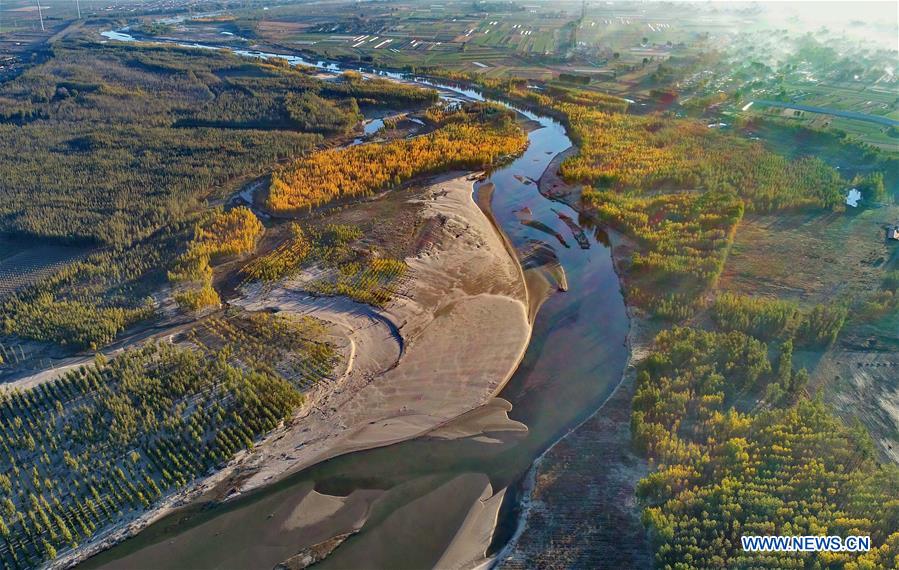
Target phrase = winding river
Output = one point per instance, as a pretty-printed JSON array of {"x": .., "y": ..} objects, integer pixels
[{"x": 417, "y": 494}]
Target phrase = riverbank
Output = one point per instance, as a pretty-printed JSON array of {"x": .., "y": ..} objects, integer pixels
[
  {"x": 579, "y": 505},
  {"x": 574, "y": 513},
  {"x": 465, "y": 279},
  {"x": 407, "y": 368},
  {"x": 551, "y": 391}
]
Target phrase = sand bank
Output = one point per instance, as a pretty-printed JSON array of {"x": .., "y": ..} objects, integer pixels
[
  {"x": 467, "y": 501},
  {"x": 447, "y": 346},
  {"x": 444, "y": 348}
]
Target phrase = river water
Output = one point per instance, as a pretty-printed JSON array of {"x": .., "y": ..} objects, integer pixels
[{"x": 419, "y": 491}]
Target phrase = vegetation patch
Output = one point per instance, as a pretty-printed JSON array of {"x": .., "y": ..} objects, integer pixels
[
  {"x": 86, "y": 304},
  {"x": 771, "y": 319},
  {"x": 722, "y": 473},
  {"x": 347, "y": 268},
  {"x": 104, "y": 442},
  {"x": 68, "y": 323},
  {"x": 222, "y": 234},
  {"x": 683, "y": 243},
  {"x": 656, "y": 152},
  {"x": 364, "y": 170}
]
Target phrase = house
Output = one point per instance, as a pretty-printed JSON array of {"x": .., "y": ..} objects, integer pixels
[{"x": 893, "y": 233}]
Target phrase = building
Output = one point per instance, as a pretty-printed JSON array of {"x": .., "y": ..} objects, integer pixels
[{"x": 893, "y": 233}]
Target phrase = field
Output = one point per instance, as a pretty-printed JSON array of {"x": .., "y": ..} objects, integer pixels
[
  {"x": 865, "y": 132},
  {"x": 407, "y": 35},
  {"x": 811, "y": 257},
  {"x": 22, "y": 265},
  {"x": 831, "y": 259}
]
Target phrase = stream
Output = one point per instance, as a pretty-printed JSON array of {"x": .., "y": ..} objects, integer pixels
[{"x": 417, "y": 494}]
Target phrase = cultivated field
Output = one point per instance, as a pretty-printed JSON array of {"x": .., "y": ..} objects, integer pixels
[{"x": 22, "y": 264}]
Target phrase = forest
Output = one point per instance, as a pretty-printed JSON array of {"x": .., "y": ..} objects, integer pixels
[
  {"x": 101, "y": 443},
  {"x": 87, "y": 303},
  {"x": 720, "y": 472},
  {"x": 378, "y": 91},
  {"x": 122, "y": 145},
  {"x": 110, "y": 143},
  {"x": 364, "y": 170},
  {"x": 98, "y": 156}
]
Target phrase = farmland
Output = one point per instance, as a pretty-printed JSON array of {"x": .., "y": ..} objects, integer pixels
[{"x": 408, "y": 35}]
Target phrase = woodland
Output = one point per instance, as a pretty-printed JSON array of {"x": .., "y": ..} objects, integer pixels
[
  {"x": 122, "y": 147},
  {"x": 100, "y": 444},
  {"x": 467, "y": 141},
  {"x": 786, "y": 466}
]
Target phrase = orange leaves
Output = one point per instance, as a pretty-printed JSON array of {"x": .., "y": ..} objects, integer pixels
[
  {"x": 644, "y": 153},
  {"x": 228, "y": 233},
  {"x": 366, "y": 169},
  {"x": 224, "y": 233}
]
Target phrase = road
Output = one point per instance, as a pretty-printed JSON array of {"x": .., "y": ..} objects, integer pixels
[{"x": 835, "y": 112}]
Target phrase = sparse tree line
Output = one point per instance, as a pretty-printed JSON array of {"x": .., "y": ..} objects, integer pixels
[
  {"x": 101, "y": 443},
  {"x": 350, "y": 269}
]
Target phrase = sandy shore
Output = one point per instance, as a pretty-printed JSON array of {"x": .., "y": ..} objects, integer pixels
[
  {"x": 444, "y": 348},
  {"x": 448, "y": 345}
]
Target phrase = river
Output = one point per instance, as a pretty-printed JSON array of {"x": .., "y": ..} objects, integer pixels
[{"x": 416, "y": 491}]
